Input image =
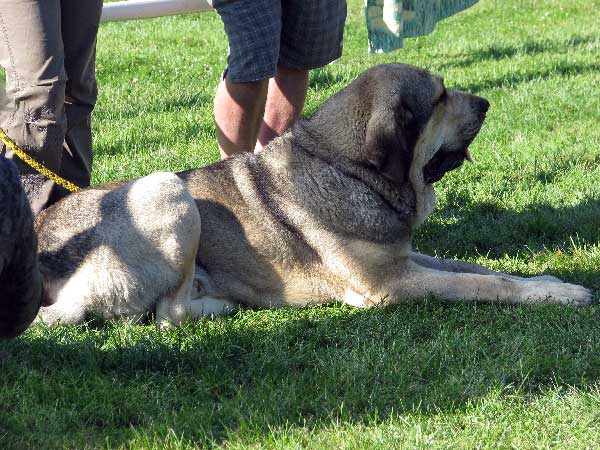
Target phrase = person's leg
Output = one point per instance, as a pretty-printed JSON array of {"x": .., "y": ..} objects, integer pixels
[
  {"x": 80, "y": 21},
  {"x": 285, "y": 100},
  {"x": 311, "y": 36},
  {"x": 31, "y": 52},
  {"x": 253, "y": 30},
  {"x": 239, "y": 110}
]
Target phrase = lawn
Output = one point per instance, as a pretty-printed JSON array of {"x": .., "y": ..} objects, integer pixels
[{"x": 423, "y": 375}]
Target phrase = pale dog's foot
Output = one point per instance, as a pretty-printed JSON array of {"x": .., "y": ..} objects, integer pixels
[
  {"x": 163, "y": 324},
  {"x": 559, "y": 293},
  {"x": 210, "y": 307},
  {"x": 198, "y": 308}
]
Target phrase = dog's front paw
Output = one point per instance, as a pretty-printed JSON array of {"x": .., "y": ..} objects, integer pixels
[{"x": 560, "y": 293}]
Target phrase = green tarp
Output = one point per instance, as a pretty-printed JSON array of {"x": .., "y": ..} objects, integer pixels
[{"x": 390, "y": 21}]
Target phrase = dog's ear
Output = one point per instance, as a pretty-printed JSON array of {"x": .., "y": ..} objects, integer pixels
[{"x": 389, "y": 143}]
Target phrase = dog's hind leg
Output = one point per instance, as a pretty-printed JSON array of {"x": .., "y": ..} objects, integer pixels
[
  {"x": 124, "y": 252},
  {"x": 71, "y": 312},
  {"x": 174, "y": 309},
  {"x": 206, "y": 301}
]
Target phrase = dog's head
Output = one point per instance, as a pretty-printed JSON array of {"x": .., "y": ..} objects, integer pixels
[{"x": 403, "y": 122}]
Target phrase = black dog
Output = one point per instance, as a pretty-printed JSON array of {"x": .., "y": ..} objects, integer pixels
[{"x": 20, "y": 279}]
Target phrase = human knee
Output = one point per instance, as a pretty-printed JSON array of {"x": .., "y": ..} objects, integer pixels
[{"x": 244, "y": 94}]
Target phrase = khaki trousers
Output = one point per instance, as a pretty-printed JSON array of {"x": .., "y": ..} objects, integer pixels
[{"x": 48, "y": 52}]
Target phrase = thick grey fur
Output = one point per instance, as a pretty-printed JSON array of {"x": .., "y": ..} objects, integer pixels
[{"x": 325, "y": 212}]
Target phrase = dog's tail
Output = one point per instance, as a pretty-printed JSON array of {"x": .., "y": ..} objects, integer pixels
[{"x": 20, "y": 279}]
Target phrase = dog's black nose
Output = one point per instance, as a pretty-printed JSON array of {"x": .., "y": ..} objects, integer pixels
[{"x": 482, "y": 104}]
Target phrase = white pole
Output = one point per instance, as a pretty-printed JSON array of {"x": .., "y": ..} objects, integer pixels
[{"x": 145, "y": 9}]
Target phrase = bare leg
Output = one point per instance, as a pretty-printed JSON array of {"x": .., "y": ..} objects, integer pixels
[
  {"x": 239, "y": 108},
  {"x": 174, "y": 309},
  {"x": 285, "y": 100}
]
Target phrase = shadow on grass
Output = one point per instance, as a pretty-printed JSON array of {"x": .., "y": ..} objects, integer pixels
[
  {"x": 270, "y": 370},
  {"x": 525, "y": 48},
  {"x": 562, "y": 68}
]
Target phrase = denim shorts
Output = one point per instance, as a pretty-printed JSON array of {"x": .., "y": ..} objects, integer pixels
[{"x": 296, "y": 34}]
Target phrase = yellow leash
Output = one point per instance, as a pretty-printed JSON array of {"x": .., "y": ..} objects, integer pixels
[{"x": 36, "y": 165}]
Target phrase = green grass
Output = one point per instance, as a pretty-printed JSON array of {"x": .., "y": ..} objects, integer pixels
[{"x": 424, "y": 375}]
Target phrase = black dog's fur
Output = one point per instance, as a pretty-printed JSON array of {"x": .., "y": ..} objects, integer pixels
[{"x": 20, "y": 279}]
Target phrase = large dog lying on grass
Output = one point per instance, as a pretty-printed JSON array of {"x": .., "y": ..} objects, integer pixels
[{"x": 326, "y": 212}]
